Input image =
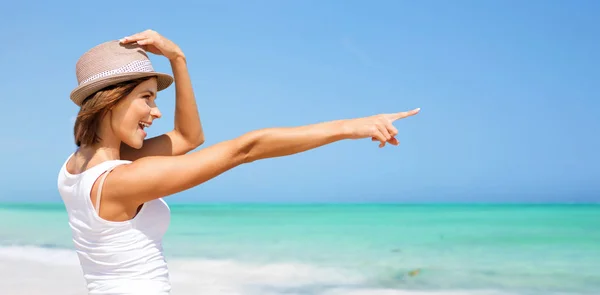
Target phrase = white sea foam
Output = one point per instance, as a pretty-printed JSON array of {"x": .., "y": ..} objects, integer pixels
[
  {"x": 242, "y": 278},
  {"x": 38, "y": 254},
  {"x": 34, "y": 270}
]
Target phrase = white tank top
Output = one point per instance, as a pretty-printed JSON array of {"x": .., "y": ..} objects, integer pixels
[{"x": 116, "y": 257}]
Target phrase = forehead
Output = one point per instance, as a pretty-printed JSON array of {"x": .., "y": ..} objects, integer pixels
[{"x": 148, "y": 85}]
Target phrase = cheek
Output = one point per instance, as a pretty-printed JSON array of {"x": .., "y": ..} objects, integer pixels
[
  {"x": 145, "y": 108},
  {"x": 138, "y": 109},
  {"x": 124, "y": 120}
]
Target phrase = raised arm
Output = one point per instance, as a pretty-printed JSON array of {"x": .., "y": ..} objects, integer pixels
[
  {"x": 154, "y": 177},
  {"x": 187, "y": 133}
]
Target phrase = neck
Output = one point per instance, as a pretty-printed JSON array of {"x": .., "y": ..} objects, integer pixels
[{"x": 100, "y": 151}]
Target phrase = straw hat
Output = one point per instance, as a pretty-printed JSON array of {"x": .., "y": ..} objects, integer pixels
[{"x": 110, "y": 63}]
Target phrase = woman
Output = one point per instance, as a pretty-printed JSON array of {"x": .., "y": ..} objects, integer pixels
[{"x": 113, "y": 185}]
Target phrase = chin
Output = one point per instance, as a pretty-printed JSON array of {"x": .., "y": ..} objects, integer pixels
[{"x": 135, "y": 143}]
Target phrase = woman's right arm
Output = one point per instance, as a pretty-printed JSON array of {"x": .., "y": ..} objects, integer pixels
[{"x": 154, "y": 177}]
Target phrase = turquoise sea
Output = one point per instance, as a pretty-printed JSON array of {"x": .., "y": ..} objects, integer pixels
[{"x": 366, "y": 248}]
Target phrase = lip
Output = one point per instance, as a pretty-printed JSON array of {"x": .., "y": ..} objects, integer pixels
[{"x": 143, "y": 132}]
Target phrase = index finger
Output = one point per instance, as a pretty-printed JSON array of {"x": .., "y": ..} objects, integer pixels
[
  {"x": 402, "y": 115},
  {"x": 133, "y": 38}
]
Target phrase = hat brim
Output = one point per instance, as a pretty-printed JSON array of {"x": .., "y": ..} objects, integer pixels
[{"x": 83, "y": 91}]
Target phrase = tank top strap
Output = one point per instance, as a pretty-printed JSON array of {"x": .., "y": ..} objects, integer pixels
[
  {"x": 92, "y": 174},
  {"x": 97, "y": 173},
  {"x": 100, "y": 185}
]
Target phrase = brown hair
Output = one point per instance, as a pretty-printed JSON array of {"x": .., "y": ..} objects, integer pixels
[{"x": 94, "y": 108}]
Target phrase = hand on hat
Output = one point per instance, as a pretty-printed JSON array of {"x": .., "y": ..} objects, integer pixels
[{"x": 152, "y": 41}]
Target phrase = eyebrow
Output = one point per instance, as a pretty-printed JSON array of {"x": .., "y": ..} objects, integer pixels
[{"x": 149, "y": 91}]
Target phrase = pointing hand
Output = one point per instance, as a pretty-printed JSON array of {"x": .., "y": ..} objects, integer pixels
[{"x": 378, "y": 127}]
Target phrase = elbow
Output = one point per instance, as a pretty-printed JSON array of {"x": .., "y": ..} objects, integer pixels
[
  {"x": 193, "y": 138},
  {"x": 246, "y": 150},
  {"x": 198, "y": 141},
  {"x": 189, "y": 145},
  {"x": 195, "y": 142}
]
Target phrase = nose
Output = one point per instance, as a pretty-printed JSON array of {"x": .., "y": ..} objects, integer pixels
[{"x": 155, "y": 112}]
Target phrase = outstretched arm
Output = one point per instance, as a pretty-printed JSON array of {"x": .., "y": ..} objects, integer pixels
[
  {"x": 154, "y": 177},
  {"x": 187, "y": 133}
]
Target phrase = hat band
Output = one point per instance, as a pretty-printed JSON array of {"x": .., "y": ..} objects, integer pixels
[{"x": 135, "y": 66}]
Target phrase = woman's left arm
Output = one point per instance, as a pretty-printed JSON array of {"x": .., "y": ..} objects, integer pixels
[{"x": 187, "y": 133}]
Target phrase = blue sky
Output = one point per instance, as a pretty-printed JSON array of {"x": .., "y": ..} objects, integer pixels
[{"x": 508, "y": 91}]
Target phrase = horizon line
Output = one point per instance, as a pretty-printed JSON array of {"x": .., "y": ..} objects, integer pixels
[{"x": 214, "y": 203}]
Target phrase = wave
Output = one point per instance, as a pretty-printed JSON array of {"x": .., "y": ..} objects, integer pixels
[
  {"x": 233, "y": 277},
  {"x": 48, "y": 255},
  {"x": 220, "y": 277}
]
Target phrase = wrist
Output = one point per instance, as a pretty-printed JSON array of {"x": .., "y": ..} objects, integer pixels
[
  {"x": 179, "y": 57},
  {"x": 344, "y": 130}
]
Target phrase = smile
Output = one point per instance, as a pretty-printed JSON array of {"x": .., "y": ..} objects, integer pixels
[{"x": 143, "y": 124}]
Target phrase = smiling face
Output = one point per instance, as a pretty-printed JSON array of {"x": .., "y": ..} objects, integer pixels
[{"x": 135, "y": 112}]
